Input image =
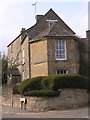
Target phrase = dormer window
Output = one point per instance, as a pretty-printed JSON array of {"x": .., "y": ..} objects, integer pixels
[{"x": 51, "y": 22}]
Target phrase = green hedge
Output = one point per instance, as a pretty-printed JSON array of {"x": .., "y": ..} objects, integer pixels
[
  {"x": 41, "y": 93},
  {"x": 55, "y": 82},
  {"x": 30, "y": 84}
]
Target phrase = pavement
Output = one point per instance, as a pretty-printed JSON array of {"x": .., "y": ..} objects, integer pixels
[{"x": 9, "y": 112}]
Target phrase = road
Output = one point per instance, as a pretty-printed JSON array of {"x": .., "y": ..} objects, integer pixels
[{"x": 9, "y": 112}]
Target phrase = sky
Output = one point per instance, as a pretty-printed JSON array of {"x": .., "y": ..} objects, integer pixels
[{"x": 17, "y": 14}]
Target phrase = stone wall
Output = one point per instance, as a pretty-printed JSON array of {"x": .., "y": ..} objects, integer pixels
[
  {"x": 69, "y": 98},
  {"x": 72, "y": 57},
  {"x": 18, "y": 47},
  {"x": 39, "y": 60}
]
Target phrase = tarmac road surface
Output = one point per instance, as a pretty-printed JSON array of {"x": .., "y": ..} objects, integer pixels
[{"x": 9, "y": 112}]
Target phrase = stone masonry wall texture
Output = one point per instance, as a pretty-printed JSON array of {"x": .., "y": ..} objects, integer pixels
[
  {"x": 39, "y": 63},
  {"x": 68, "y": 99},
  {"x": 17, "y": 49},
  {"x": 72, "y": 57}
]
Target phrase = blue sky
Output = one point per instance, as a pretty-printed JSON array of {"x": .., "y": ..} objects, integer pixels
[{"x": 20, "y": 14}]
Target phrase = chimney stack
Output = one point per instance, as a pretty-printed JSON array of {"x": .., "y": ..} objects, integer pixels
[
  {"x": 88, "y": 34},
  {"x": 38, "y": 18},
  {"x": 22, "y": 30}
]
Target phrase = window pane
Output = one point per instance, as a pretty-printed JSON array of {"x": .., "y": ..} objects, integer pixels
[
  {"x": 63, "y": 56},
  {"x": 60, "y": 49},
  {"x": 64, "y": 71},
  {"x": 57, "y": 56},
  {"x": 57, "y": 47},
  {"x": 56, "y": 42},
  {"x": 61, "y": 71},
  {"x": 57, "y": 52},
  {"x": 63, "y": 52},
  {"x": 58, "y": 72},
  {"x": 59, "y": 41},
  {"x": 63, "y": 42}
]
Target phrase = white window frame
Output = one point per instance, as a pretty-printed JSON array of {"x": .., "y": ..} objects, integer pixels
[
  {"x": 60, "y": 50},
  {"x": 23, "y": 57},
  {"x": 62, "y": 71},
  {"x": 23, "y": 75},
  {"x": 51, "y": 22}
]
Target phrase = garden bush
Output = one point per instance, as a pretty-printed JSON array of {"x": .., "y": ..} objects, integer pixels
[
  {"x": 46, "y": 86},
  {"x": 30, "y": 84},
  {"x": 22, "y": 86},
  {"x": 56, "y": 82},
  {"x": 41, "y": 93}
]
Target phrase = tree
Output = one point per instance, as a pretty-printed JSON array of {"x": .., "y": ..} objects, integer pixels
[{"x": 4, "y": 60}]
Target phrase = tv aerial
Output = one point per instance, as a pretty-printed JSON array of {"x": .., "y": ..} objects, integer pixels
[{"x": 34, "y": 4}]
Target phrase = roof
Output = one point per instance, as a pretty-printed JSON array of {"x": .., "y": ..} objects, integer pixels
[
  {"x": 54, "y": 30},
  {"x": 14, "y": 40},
  {"x": 14, "y": 72},
  {"x": 43, "y": 25}
]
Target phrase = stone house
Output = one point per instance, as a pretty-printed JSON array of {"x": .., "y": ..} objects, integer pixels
[{"x": 49, "y": 47}]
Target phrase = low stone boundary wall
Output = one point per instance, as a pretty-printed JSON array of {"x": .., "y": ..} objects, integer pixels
[{"x": 69, "y": 98}]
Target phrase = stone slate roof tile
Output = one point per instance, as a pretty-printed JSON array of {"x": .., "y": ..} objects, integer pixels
[
  {"x": 53, "y": 31},
  {"x": 43, "y": 24}
]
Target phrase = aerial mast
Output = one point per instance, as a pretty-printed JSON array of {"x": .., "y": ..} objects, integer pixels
[{"x": 34, "y": 4}]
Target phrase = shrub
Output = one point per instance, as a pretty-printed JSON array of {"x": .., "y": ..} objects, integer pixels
[
  {"x": 55, "y": 82},
  {"x": 47, "y": 82},
  {"x": 40, "y": 93},
  {"x": 30, "y": 84},
  {"x": 22, "y": 86}
]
